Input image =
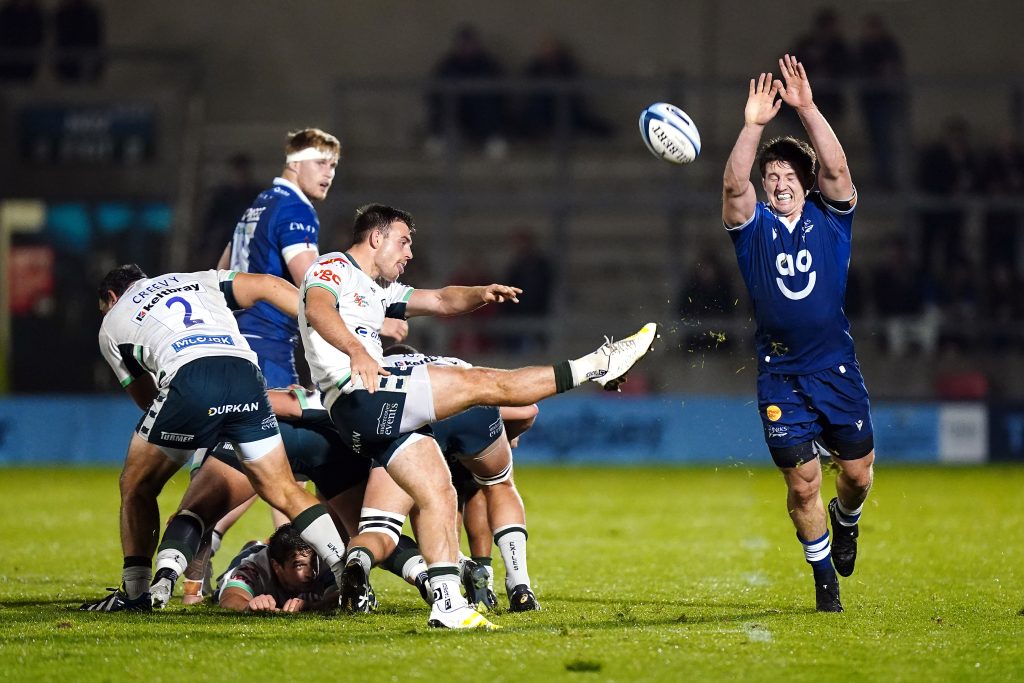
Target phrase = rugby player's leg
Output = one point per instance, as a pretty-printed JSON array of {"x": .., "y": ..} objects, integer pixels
[
  {"x": 803, "y": 501},
  {"x": 479, "y": 579},
  {"x": 267, "y": 467},
  {"x": 198, "y": 577},
  {"x": 852, "y": 485}
]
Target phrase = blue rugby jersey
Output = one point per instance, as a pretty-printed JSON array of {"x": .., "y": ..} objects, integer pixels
[
  {"x": 280, "y": 218},
  {"x": 797, "y": 282}
]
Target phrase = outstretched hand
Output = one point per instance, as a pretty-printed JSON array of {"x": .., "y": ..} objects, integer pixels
[
  {"x": 761, "y": 103},
  {"x": 496, "y": 294},
  {"x": 797, "y": 90}
]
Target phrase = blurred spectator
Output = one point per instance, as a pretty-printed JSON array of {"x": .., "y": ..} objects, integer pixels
[
  {"x": 904, "y": 300},
  {"x": 22, "y": 36},
  {"x": 1004, "y": 308},
  {"x": 479, "y": 115},
  {"x": 554, "y": 63},
  {"x": 855, "y": 305},
  {"x": 948, "y": 170},
  {"x": 228, "y": 202},
  {"x": 78, "y": 28},
  {"x": 960, "y": 305},
  {"x": 532, "y": 271},
  {"x": 470, "y": 335},
  {"x": 707, "y": 301},
  {"x": 1003, "y": 179},
  {"x": 881, "y": 98},
  {"x": 828, "y": 60}
]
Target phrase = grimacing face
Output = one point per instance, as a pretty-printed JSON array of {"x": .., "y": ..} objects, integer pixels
[
  {"x": 394, "y": 252},
  {"x": 786, "y": 194}
]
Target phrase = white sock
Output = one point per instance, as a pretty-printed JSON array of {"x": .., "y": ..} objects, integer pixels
[
  {"x": 362, "y": 556},
  {"x": 215, "y": 539},
  {"x": 323, "y": 537},
  {"x": 413, "y": 567},
  {"x": 446, "y": 586},
  {"x": 511, "y": 541},
  {"x": 171, "y": 559},
  {"x": 846, "y": 516},
  {"x": 594, "y": 364}
]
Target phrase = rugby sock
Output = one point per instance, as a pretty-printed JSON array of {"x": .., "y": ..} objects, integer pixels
[
  {"x": 215, "y": 538},
  {"x": 590, "y": 366},
  {"x": 180, "y": 542},
  {"x": 847, "y": 517},
  {"x": 445, "y": 585},
  {"x": 818, "y": 554},
  {"x": 511, "y": 541},
  {"x": 317, "y": 529},
  {"x": 361, "y": 555},
  {"x": 486, "y": 563},
  {"x": 136, "y": 575},
  {"x": 405, "y": 556}
]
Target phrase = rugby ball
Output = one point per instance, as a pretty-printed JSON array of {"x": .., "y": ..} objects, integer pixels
[{"x": 669, "y": 133}]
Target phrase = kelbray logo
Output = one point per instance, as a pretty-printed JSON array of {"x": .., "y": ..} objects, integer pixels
[
  {"x": 789, "y": 267},
  {"x": 236, "y": 408}
]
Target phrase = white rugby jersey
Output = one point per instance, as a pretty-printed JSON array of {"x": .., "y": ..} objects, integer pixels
[
  {"x": 408, "y": 360},
  {"x": 161, "y": 323},
  {"x": 362, "y": 303}
]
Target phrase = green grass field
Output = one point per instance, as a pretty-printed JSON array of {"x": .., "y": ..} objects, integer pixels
[{"x": 644, "y": 574}]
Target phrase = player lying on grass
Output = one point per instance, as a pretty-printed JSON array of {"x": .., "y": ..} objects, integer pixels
[
  {"x": 794, "y": 254},
  {"x": 477, "y": 450},
  {"x": 285, "y": 575},
  {"x": 381, "y": 413},
  {"x": 314, "y": 451}
]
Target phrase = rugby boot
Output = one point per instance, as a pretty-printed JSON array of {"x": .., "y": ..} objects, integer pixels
[
  {"x": 623, "y": 355},
  {"x": 162, "y": 587},
  {"x": 460, "y": 617},
  {"x": 423, "y": 585},
  {"x": 844, "y": 541},
  {"x": 118, "y": 601},
  {"x": 356, "y": 594},
  {"x": 474, "y": 583},
  {"x": 522, "y": 599},
  {"x": 826, "y": 596}
]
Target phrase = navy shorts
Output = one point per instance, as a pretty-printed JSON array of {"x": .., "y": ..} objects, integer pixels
[
  {"x": 470, "y": 432},
  {"x": 277, "y": 361},
  {"x": 211, "y": 399},
  {"x": 315, "y": 451},
  {"x": 830, "y": 407}
]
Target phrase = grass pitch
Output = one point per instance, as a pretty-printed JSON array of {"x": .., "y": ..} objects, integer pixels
[{"x": 644, "y": 575}]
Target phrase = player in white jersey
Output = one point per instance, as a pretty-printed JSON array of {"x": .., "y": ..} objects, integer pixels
[
  {"x": 174, "y": 346},
  {"x": 382, "y": 413}
]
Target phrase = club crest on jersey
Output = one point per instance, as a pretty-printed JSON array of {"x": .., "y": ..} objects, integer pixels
[
  {"x": 789, "y": 267},
  {"x": 360, "y": 300}
]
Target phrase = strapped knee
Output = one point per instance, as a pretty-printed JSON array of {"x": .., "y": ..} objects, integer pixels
[
  {"x": 374, "y": 521},
  {"x": 499, "y": 478}
]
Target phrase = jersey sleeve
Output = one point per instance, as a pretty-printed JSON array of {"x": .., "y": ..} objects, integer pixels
[
  {"x": 226, "y": 283},
  {"x": 336, "y": 275},
  {"x": 121, "y": 358},
  {"x": 297, "y": 229},
  {"x": 397, "y": 300},
  {"x": 839, "y": 214},
  {"x": 247, "y": 576}
]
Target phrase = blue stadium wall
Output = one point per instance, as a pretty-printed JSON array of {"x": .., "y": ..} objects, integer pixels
[{"x": 589, "y": 429}]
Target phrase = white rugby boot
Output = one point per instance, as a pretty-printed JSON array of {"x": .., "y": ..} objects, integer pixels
[
  {"x": 623, "y": 355},
  {"x": 460, "y": 617}
]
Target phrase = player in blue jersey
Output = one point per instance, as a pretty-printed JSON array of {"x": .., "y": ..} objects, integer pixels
[
  {"x": 793, "y": 251},
  {"x": 277, "y": 235}
]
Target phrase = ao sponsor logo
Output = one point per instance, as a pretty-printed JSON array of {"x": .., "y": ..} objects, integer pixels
[
  {"x": 386, "y": 419},
  {"x": 789, "y": 267},
  {"x": 236, "y": 408}
]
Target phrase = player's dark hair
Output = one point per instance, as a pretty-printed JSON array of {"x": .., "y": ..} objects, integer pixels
[
  {"x": 286, "y": 542},
  {"x": 400, "y": 350},
  {"x": 378, "y": 217},
  {"x": 119, "y": 279},
  {"x": 796, "y": 153}
]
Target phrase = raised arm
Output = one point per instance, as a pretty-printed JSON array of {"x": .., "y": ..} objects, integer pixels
[
  {"x": 453, "y": 300},
  {"x": 739, "y": 198},
  {"x": 834, "y": 179}
]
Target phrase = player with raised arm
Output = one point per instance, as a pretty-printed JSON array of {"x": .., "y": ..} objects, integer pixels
[
  {"x": 794, "y": 254},
  {"x": 277, "y": 235},
  {"x": 173, "y": 344},
  {"x": 382, "y": 413}
]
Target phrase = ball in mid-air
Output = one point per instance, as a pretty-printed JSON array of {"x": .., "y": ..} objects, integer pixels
[{"x": 669, "y": 133}]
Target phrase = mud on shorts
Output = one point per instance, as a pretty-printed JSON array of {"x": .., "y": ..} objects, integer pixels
[
  {"x": 802, "y": 413},
  {"x": 211, "y": 399}
]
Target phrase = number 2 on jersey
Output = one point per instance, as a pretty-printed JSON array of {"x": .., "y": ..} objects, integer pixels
[{"x": 187, "y": 320}]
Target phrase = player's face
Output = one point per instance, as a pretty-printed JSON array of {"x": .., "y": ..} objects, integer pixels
[
  {"x": 785, "y": 193},
  {"x": 314, "y": 176},
  {"x": 395, "y": 252},
  {"x": 298, "y": 574}
]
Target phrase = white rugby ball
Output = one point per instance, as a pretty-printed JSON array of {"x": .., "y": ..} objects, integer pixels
[{"x": 669, "y": 133}]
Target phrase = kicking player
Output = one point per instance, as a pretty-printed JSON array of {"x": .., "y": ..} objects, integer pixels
[
  {"x": 277, "y": 235},
  {"x": 285, "y": 575},
  {"x": 315, "y": 452},
  {"x": 794, "y": 253},
  {"x": 173, "y": 344},
  {"x": 382, "y": 413}
]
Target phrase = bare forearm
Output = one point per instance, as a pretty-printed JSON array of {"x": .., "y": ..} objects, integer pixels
[
  {"x": 831, "y": 155},
  {"x": 741, "y": 160},
  {"x": 454, "y": 299},
  {"x": 328, "y": 323}
]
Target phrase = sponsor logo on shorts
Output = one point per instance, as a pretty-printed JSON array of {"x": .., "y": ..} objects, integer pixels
[
  {"x": 777, "y": 431},
  {"x": 357, "y": 443},
  {"x": 494, "y": 429},
  {"x": 387, "y": 417},
  {"x": 860, "y": 424},
  {"x": 198, "y": 339},
  {"x": 773, "y": 412},
  {"x": 236, "y": 408},
  {"x": 269, "y": 422},
  {"x": 174, "y": 436}
]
